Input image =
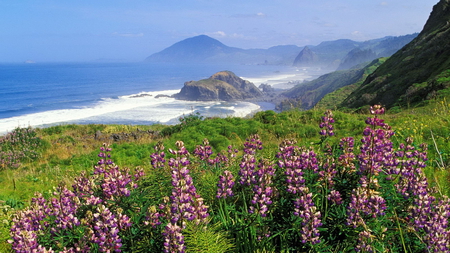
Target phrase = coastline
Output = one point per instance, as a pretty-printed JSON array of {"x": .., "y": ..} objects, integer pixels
[{"x": 153, "y": 107}]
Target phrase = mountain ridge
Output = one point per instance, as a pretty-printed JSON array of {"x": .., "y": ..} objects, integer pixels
[{"x": 329, "y": 54}]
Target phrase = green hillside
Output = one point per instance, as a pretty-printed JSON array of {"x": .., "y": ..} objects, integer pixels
[
  {"x": 415, "y": 74},
  {"x": 308, "y": 94}
]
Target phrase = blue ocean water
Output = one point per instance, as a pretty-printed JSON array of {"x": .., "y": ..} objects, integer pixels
[{"x": 45, "y": 94}]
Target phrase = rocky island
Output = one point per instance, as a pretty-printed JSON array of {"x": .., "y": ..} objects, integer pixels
[{"x": 223, "y": 86}]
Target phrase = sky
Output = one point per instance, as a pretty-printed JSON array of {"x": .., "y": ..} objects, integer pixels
[{"x": 131, "y": 30}]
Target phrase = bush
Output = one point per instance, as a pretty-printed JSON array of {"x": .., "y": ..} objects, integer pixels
[{"x": 21, "y": 145}]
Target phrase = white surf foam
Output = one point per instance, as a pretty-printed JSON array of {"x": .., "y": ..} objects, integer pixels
[
  {"x": 282, "y": 80},
  {"x": 141, "y": 108}
]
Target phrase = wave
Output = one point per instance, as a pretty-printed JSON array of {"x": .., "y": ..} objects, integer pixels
[
  {"x": 280, "y": 80},
  {"x": 141, "y": 108}
]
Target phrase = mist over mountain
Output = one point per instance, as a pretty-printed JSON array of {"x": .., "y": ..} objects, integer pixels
[
  {"x": 344, "y": 53},
  {"x": 327, "y": 55}
]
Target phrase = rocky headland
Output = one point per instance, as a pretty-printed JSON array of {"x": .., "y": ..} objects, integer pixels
[{"x": 222, "y": 86}]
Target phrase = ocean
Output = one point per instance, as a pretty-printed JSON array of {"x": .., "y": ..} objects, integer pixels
[{"x": 45, "y": 94}]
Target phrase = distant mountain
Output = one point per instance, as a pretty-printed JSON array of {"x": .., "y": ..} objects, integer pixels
[
  {"x": 195, "y": 49},
  {"x": 341, "y": 54},
  {"x": 357, "y": 56},
  {"x": 327, "y": 55},
  {"x": 306, "y": 58},
  {"x": 204, "y": 49},
  {"x": 418, "y": 72},
  {"x": 223, "y": 85}
]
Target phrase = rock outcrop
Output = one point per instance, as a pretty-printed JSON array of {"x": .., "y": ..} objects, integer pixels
[{"x": 224, "y": 86}]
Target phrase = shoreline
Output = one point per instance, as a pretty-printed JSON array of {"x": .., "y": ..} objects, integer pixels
[{"x": 154, "y": 107}]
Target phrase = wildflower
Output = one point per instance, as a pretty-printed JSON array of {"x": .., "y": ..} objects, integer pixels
[
  {"x": 203, "y": 152},
  {"x": 326, "y": 124},
  {"x": 305, "y": 209},
  {"x": 296, "y": 162},
  {"x": 173, "y": 239},
  {"x": 346, "y": 161},
  {"x": 158, "y": 158},
  {"x": 335, "y": 197},
  {"x": 364, "y": 242},
  {"x": 262, "y": 188},
  {"x": 185, "y": 204},
  {"x": 225, "y": 185}
]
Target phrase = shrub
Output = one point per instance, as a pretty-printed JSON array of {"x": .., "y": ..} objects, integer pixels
[{"x": 21, "y": 145}]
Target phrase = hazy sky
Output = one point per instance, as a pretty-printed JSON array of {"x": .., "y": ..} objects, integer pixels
[{"x": 82, "y": 30}]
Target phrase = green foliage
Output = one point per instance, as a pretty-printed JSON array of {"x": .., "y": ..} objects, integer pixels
[
  {"x": 6, "y": 214},
  {"x": 185, "y": 122},
  {"x": 207, "y": 239}
]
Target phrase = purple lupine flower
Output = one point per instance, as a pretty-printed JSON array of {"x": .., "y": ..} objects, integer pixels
[
  {"x": 364, "y": 242},
  {"x": 411, "y": 180},
  {"x": 220, "y": 159},
  {"x": 26, "y": 225},
  {"x": 376, "y": 149},
  {"x": 247, "y": 168},
  {"x": 376, "y": 156},
  {"x": 152, "y": 217},
  {"x": 182, "y": 151},
  {"x": 432, "y": 218},
  {"x": 296, "y": 162},
  {"x": 203, "y": 152},
  {"x": 84, "y": 186},
  {"x": 185, "y": 204},
  {"x": 64, "y": 207},
  {"x": 326, "y": 124},
  {"x": 104, "y": 159},
  {"x": 232, "y": 151},
  {"x": 377, "y": 110},
  {"x": 347, "y": 160},
  {"x": 295, "y": 166},
  {"x": 252, "y": 144},
  {"x": 106, "y": 227},
  {"x": 335, "y": 197},
  {"x": 304, "y": 208},
  {"x": 248, "y": 162},
  {"x": 428, "y": 216},
  {"x": 63, "y": 211},
  {"x": 225, "y": 185},
  {"x": 262, "y": 188},
  {"x": 115, "y": 182},
  {"x": 173, "y": 239},
  {"x": 158, "y": 158},
  {"x": 364, "y": 203},
  {"x": 328, "y": 172}
]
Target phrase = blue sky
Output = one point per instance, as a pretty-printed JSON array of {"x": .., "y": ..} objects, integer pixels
[{"x": 81, "y": 30}]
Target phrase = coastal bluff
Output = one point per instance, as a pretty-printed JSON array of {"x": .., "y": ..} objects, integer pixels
[{"x": 222, "y": 86}]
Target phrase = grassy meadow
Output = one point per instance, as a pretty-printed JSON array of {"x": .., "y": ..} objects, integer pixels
[{"x": 48, "y": 161}]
